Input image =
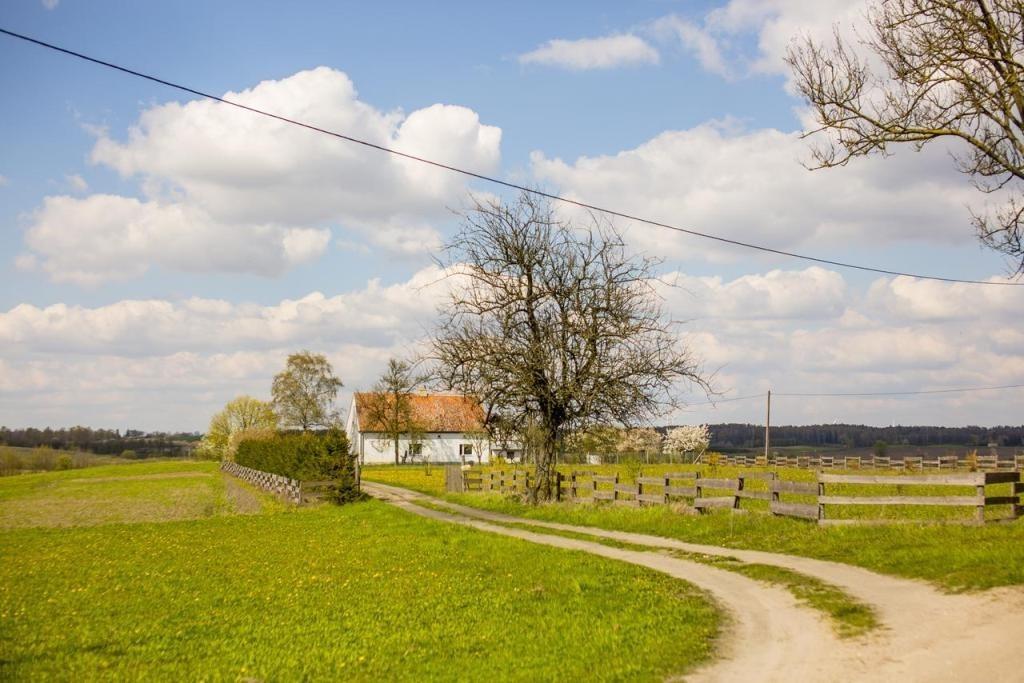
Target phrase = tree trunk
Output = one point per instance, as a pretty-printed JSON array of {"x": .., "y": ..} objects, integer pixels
[
  {"x": 396, "y": 450},
  {"x": 545, "y": 468}
]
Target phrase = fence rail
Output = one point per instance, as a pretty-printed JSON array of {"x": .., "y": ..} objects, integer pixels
[
  {"x": 292, "y": 490},
  {"x": 910, "y": 463},
  {"x": 813, "y": 498}
]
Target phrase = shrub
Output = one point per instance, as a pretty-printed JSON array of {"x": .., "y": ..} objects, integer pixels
[
  {"x": 64, "y": 462},
  {"x": 40, "y": 458},
  {"x": 10, "y": 461},
  {"x": 305, "y": 456},
  {"x": 129, "y": 455}
]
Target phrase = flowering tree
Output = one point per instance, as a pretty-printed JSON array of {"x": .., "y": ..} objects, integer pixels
[
  {"x": 688, "y": 439},
  {"x": 645, "y": 440}
]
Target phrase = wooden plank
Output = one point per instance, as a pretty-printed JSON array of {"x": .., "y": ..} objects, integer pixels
[
  {"x": 767, "y": 476},
  {"x": 795, "y": 510},
  {"x": 602, "y": 495},
  {"x": 754, "y": 495},
  {"x": 681, "y": 475},
  {"x": 1001, "y": 500},
  {"x": 605, "y": 479},
  {"x": 1001, "y": 477},
  {"x": 656, "y": 481},
  {"x": 658, "y": 498},
  {"x": 965, "y": 479},
  {"x": 725, "y": 501},
  {"x": 710, "y": 483},
  {"x": 902, "y": 500},
  {"x": 626, "y": 488},
  {"x": 687, "y": 491},
  {"x": 808, "y": 487},
  {"x": 629, "y": 502}
]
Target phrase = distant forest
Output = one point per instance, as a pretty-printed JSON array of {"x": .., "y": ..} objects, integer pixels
[
  {"x": 726, "y": 437},
  {"x": 102, "y": 441}
]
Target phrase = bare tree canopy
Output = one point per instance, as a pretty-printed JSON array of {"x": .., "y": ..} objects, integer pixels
[
  {"x": 952, "y": 69},
  {"x": 305, "y": 391},
  {"x": 556, "y": 327},
  {"x": 389, "y": 409}
]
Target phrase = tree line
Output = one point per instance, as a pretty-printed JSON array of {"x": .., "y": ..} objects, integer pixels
[
  {"x": 725, "y": 437},
  {"x": 102, "y": 441}
]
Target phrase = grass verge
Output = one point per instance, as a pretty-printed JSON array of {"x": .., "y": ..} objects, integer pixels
[
  {"x": 850, "y": 617},
  {"x": 953, "y": 557}
]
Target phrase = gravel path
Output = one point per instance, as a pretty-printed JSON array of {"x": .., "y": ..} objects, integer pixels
[{"x": 926, "y": 635}]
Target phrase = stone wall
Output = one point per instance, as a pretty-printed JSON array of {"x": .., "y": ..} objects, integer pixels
[{"x": 289, "y": 489}]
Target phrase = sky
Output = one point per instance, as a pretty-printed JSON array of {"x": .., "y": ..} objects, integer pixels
[{"x": 161, "y": 254}]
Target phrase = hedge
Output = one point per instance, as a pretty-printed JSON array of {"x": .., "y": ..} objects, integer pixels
[{"x": 305, "y": 456}]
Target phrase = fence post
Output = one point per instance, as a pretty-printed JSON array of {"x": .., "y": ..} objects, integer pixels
[
  {"x": 981, "y": 507},
  {"x": 821, "y": 494},
  {"x": 739, "y": 489},
  {"x": 558, "y": 486}
]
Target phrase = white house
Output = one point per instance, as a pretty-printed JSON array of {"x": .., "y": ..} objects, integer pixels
[{"x": 452, "y": 431}]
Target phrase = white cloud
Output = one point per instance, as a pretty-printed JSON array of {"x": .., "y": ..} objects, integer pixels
[
  {"x": 76, "y": 182},
  {"x": 593, "y": 53},
  {"x": 695, "y": 40},
  {"x": 749, "y": 186},
  {"x": 814, "y": 293},
  {"x": 229, "y": 191},
  {"x": 377, "y": 314},
  {"x": 50, "y": 4},
  {"x": 789, "y": 330},
  {"x": 3, "y": 180},
  {"x": 109, "y": 237}
]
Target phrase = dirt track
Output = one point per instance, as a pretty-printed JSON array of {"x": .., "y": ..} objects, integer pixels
[{"x": 926, "y": 635}]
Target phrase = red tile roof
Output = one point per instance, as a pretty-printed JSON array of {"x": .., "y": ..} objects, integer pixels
[{"x": 432, "y": 412}]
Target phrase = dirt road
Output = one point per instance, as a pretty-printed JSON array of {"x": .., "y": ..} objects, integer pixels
[{"x": 926, "y": 635}]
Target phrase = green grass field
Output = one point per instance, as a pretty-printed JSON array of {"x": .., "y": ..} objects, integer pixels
[
  {"x": 361, "y": 592},
  {"x": 954, "y": 557}
]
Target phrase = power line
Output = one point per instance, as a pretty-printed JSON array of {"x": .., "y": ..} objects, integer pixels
[
  {"x": 902, "y": 393},
  {"x": 497, "y": 181},
  {"x": 840, "y": 394}
]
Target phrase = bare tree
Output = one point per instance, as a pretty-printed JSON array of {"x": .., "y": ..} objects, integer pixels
[
  {"x": 953, "y": 69},
  {"x": 389, "y": 407},
  {"x": 555, "y": 327}
]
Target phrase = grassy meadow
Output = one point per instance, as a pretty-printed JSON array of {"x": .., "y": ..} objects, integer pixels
[
  {"x": 149, "y": 571},
  {"x": 953, "y": 556}
]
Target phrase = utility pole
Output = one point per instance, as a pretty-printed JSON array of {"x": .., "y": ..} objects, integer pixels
[{"x": 767, "y": 427}]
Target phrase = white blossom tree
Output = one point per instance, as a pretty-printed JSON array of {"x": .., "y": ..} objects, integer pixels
[{"x": 688, "y": 439}]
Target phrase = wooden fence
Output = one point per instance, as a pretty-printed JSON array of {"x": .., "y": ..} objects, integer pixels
[
  {"x": 910, "y": 463},
  {"x": 292, "y": 490},
  {"x": 802, "y": 499}
]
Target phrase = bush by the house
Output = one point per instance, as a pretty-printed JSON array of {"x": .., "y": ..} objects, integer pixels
[{"x": 305, "y": 456}]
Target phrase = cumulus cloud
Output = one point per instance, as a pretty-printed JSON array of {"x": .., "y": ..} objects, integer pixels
[
  {"x": 695, "y": 40},
  {"x": 217, "y": 179},
  {"x": 585, "y": 54},
  {"x": 788, "y": 330},
  {"x": 109, "y": 237},
  {"x": 748, "y": 185},
  {"x": 375, "y": 315}
]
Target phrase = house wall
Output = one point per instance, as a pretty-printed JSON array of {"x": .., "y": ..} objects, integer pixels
[{"x": 439, "y": 447}]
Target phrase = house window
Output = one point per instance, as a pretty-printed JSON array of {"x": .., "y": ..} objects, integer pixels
[
  {"x": 466, "y": 450},
  {"x": 415, "y": 450}
]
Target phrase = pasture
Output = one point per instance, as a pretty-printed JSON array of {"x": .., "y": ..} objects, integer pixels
[
  {"x": 150, "y": 571},
  {"x": 952, "y": 556}
]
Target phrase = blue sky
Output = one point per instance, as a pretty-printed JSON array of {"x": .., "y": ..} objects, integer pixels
[{"x": 150, "y": 279}]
